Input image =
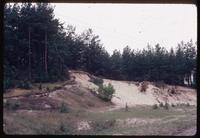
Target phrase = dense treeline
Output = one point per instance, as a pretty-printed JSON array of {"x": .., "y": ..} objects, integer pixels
[{"x": 37, "y": 48}]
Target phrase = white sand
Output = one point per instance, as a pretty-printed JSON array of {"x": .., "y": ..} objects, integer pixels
[{"x": 128, "y": 92}]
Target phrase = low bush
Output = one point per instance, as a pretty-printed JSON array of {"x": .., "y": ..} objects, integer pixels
[
  {"x": 144, "y": 86},
  {"x": 155, "y": 106},
  {"x": 161, "y": 104},
  {"x": 126, "y": 108},
  {"x": 106, "y": 92},
  {"x": 187, "y": 104},
  {"x": 137, "y": 83},
  {"x": 97, "y": 81},
  {"x": 173, "y": 105},
  {"x": 24, "y": 85},
  {"x": 166, "y": 106},
  {"x": 7, "y": 83},
  {"x": 172, "y": 90}
]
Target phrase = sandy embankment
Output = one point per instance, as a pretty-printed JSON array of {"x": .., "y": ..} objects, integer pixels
[{"x": 128, "y": 92}]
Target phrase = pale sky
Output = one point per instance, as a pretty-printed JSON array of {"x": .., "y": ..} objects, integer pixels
[{"x": 135, "y": 25}]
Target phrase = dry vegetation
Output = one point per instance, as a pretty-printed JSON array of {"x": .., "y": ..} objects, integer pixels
[{"x": 74, "y": 108}]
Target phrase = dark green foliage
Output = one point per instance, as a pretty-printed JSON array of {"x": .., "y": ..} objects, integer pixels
[
  {"x": 9, "y": 75},
  {"x": 30, "y": 31},
  {"x": 106, "y": 92},
  {"x": 25, "y": 29},
  {"x": 96, "y": 80},
  {"x": 155, "y": 106},
  {"x": 126, "y": 108},
  {"x": 161, "y": 104},
  {"x": 116, "y": 65},
  {"x": 173, "y": 105},
  {"x": 24, "y": 85},
  {"x": 166, "y": 106}
]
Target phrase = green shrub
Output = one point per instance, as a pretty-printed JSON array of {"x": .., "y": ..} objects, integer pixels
[
  {"x": 173, "y": 90},
  {"x": 155, "y": 106},
  {"x": 161, "y": 104},
  {"x": 144, "y": 86},
  {"x": 126, "y": 108},
  {"x": 97, "y": 81},
  {"x": 7, "y": 83},
  {"x": 106, "y": 92},
  {"x": 173, "y": 105},
  {"x": 166, "y": 106},
  {"x": 64, "y": 108},
  {"x": 24, "y": 85},
  {"x": 9, "y": 75}
]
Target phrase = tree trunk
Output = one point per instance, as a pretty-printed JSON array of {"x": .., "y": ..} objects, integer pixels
[
  {"x": 45, "y": 57},
  {"x": 29, "y": 44}
]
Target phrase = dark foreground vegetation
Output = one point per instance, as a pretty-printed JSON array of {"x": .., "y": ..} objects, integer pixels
[{"x": 37, "y": 48}]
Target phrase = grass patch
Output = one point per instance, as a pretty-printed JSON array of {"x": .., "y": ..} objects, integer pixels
[
  {"x": 103, "y": 123},
  {"x": 133, "y": 112},
  {"x": 35, "y": 88}
]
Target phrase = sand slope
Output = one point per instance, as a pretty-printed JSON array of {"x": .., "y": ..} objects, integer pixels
[{"x": 128, "y": 92}]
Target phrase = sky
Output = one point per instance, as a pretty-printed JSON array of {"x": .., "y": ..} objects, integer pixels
[{"x": 135, "y": 25}]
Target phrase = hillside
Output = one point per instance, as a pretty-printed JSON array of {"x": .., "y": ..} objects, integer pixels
[
  {"x": 77, "y": 93},
  {"x": 129, "y": 92},
  {"x": 72, "y": 107}
]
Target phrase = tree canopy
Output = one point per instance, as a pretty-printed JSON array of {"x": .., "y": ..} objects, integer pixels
[{"x": 38, "y": 48}]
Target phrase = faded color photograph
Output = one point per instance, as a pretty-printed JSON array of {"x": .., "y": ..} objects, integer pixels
[{"x": 99, "y": 69}]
